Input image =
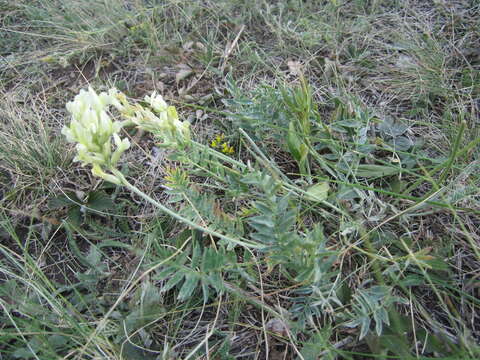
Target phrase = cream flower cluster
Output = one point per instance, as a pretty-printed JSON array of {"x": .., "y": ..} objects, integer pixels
[
  {"x": 92, "y": 127},
  {"x": 163, "y": 122}
]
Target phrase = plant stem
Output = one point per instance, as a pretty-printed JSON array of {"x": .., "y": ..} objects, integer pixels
[
  {"x": 453, "y": 154},
  {"x": 179, "y": 217}
]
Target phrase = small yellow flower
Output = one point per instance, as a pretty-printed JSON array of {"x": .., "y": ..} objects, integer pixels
[
  {"x": 226, "y": 149},
  {"x": 220, "y": 144}
]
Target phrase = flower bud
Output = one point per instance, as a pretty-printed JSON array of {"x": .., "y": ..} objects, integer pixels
[
  {"x": 97, "y": 171},
  {"x": 156, "y": 102}
]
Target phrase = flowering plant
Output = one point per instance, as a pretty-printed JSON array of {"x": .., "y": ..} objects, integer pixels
[{"x": 92, "y": 128}]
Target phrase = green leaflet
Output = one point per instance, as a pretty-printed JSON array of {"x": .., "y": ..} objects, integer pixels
[
  {"x": 318, "y": 192},
  {"x": 374, "y": 171}
]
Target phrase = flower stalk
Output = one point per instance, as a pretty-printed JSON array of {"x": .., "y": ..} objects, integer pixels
[{"x": 163, "y": 208}]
